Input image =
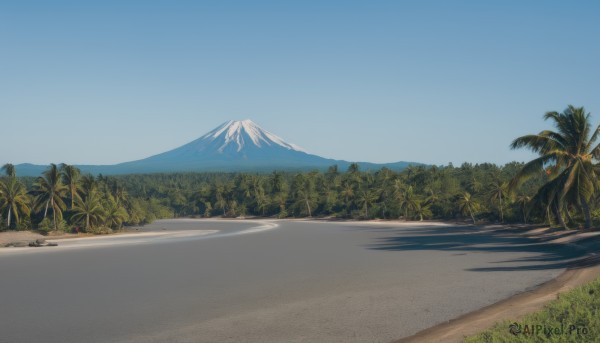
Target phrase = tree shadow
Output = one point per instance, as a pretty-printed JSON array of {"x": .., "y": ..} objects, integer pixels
[{"x": 471, "y": 239}]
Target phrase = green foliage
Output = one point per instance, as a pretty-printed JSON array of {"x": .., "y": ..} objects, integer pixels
[
  {"x": 100, "y": 230},
  {"x": 25, "y": 224},
  {"x": 50, "y": 194},
  {"x": 579, "y": 307},
  {"x": 561, "y": 182},
  {"x": 567, "y": 155},
  {"x": 417, "y": 193},
  {"x": 13, "y": 201},
  {"x": 47, "y": 225},
  {"x": 414, "y": 194}
]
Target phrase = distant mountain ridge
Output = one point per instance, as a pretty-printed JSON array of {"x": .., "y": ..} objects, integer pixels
[{"x": 234, "y": 146}]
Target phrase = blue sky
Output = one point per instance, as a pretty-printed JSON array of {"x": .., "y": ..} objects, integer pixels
[{"x": 430, "y": 81}]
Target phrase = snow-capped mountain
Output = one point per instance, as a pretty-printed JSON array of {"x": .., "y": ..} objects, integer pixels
[
  {"x": 243, "y": 132},
  {"x": 233, "y": 145},
  {"x": 236, "y": 145}
]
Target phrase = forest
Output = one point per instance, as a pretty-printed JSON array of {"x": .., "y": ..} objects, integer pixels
[{"x": 558, "y": 188}]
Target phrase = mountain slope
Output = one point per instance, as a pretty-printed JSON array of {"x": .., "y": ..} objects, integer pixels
[{"x": 232, "y": 146}]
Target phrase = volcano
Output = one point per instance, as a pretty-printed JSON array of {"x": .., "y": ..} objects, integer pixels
[{"x": 234, "y": 146}]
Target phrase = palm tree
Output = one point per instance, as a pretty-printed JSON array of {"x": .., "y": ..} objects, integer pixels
[
  {"x": 329, "y": 195},
  {"x": 9, "y": 169},
  {"x": 220, "y": 195},
  {"x": 121, "y": 195},
  {"x": 281, "y": 200},
  {"x": 423, "y": 210},
  {"x": 474, "y": 185},
  {"x": 88, "y": 184},
  {"x": 51, "y": 192},
  {"x": 568, "y": 153},
  {"x": 207, "y": 208},
  {"x": 406, "y": 198},
  {"x": 114, "y": 214},
  {"x": 278, "y": 183},
  {"x": 523, "y": 201},
  {"x": 348, "y": 194},
  {"x": 332, "y": 172},
  {"x": 433, "y": 197},
  {"x": 385, "y": 176},
  {"x": 498, "y": 191},
  {"x": 305, "y": 190},
  {"x": 353, "y": 168},
  {"x": 71, "y": 175},
  {"x": 13, "y": 198},
  {"x": 411, "y": 202},
  {"x": 233, "y": 206},
  {"x": 548, "y": 197},
  {"x": 365, "y": 199},
  {"x": 468, "y": 205},
  {"x": 262, "y": 202},
  {"x": 89, "y": 209}
]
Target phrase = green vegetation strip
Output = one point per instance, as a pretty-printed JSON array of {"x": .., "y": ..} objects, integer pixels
[
  {"x": 573, "y": 317},
  {"x": 558, "y": 188}
]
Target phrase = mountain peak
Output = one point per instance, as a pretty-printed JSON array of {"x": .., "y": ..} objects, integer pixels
[
  {"x": 244, "y": 132},
  {"x": 235, "y": 145}
]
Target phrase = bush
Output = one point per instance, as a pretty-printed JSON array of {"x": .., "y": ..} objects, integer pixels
[
  {"x": 282, "y": 214},
  {"x": 100, "y": 230},
  {"x": 46, "y": 225},
  {"x": 577, "y": 312}
]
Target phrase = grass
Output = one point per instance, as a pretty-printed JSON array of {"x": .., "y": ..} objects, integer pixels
[{"x": 573, "y": 317}]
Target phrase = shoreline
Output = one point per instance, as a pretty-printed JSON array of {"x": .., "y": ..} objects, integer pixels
[
  {"x": 579, "y": 272},
  {"x": 27, "y": 236}
]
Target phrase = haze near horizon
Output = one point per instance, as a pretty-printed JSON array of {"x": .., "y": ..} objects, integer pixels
[{"x": 379, "y": 82}]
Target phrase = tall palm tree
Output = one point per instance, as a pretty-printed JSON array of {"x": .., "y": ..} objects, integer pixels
[
  {"x": 468, "y": 205},
  {"x": 277, "y": 182},
  {"x": 281, "y": 200},
  {"x": 50, "y": 193},
  {"x": 385, "y": 177},
  {"x": 568, "y": 153},
  {"x": 220, "y": 196},
  {"x": 498, "y": 192},
  {"x": 305, "y": 190},
  {"x": 89, "y": 210},
  {"x": 348, "y": 194},
  {"x": 13, "y": 199},
  {"x": 548, "y": 197},
  {"x": 71, "y": 176},
  {"x": 9, "y": 170},
  {"x": 523, "y": 201},
  {"x": 262, "y": 201},
  {"x": 398, "y": 193}
]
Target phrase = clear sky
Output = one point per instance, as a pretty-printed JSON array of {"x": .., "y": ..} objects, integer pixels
[{"x": 101, "y": 82}]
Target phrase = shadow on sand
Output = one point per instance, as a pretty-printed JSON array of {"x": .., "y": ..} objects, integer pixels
[{"x": 470, "y": 239}]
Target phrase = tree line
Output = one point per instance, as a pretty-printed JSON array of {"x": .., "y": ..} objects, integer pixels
[
  {"x": 64, "y": 199},
  {"x": 560, "y": 188}
]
